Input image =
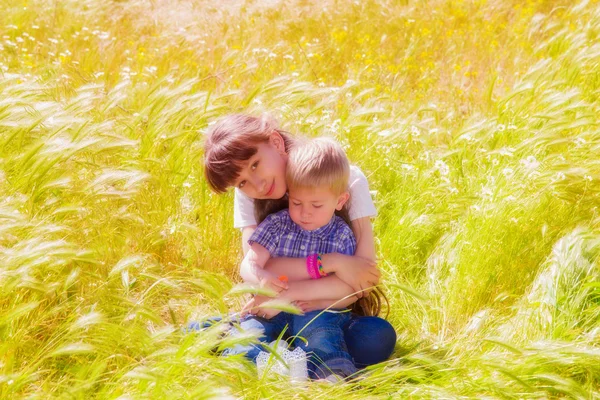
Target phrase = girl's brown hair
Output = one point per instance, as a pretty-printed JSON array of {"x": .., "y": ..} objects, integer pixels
[{"x": 231, "y": 141}]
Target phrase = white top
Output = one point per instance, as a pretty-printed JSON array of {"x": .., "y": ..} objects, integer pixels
[{"x": 361, "y": 205}]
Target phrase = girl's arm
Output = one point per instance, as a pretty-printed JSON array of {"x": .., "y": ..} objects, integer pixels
[{"x": 246, "y": 233}]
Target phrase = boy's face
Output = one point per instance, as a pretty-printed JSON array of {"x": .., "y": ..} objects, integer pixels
[{"x": 312, "y": 208}]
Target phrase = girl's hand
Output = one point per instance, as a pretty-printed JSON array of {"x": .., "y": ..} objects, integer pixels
[{"x": 357, "y": 272}]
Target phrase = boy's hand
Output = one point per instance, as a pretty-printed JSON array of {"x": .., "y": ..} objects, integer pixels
[{"x": 271, "y": 281}]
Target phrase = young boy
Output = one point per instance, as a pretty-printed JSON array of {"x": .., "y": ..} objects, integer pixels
[{"x": 317, "y": 177}]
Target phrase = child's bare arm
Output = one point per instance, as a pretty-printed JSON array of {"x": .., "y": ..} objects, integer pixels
[
  {"x": 252, "y": 268},
  {"x": 330, "y": 287}
]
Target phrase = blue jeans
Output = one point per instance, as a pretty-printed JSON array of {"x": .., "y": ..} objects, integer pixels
[{"x": 333, "y": 339}]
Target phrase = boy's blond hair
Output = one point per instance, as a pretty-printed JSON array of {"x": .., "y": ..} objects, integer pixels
[{"x": 318, "y": 162}]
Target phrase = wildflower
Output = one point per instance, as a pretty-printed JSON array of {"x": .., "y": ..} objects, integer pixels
[
  {"x": 414, "y": 131},
  {"x": 506, "y": 151},
  {"x": 508, "y": 172},
  {"x": 579, "y": 142},
  {"x": 559, "y": 177},
  {"x": 486, "y": 193},
  {"x": 467, "y": 137},
  {"x": 442, "y": 167},
  {"x": 531, "y": 163},
  {"x": 501, "y": 127}
]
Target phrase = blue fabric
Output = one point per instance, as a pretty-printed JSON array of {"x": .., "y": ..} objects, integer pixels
[
  {"x": 322, "y": 338},
  {"x": 369, "y": 340},
  {"x": 318, "y": 333},
  {"x": 284, "y": 238}
]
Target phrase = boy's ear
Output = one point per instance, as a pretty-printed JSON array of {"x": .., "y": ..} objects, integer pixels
[
  {"x": 276, "y": 140},
  {"x": 342, "y": 199}
]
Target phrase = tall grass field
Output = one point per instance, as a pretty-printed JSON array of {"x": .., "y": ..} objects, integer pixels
[{"x": 477, "y": 123}]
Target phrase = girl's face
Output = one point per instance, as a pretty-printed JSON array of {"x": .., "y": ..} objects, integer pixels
[{"x": 263, "y": 175}]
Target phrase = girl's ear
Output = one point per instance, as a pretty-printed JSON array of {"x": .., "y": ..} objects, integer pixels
[
  {"x": 342, "y": 199},
  {"x": 276, "y": 140}
]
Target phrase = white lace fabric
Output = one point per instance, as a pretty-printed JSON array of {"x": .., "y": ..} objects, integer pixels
[{"x": 294, "y": 366}]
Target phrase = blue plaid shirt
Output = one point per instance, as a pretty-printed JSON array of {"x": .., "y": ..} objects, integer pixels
[{"x": 284, "y": 238}]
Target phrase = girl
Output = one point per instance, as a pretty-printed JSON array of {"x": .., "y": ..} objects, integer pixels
[{"x": 250, "y": 154}]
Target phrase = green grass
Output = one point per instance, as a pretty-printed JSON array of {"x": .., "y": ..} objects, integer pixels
[{"x": 476, "y": 123}]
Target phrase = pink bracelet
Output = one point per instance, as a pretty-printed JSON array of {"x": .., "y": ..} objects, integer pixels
[{"x": 312, "y": 267}]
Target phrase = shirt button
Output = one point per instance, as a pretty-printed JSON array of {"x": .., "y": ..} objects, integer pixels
[{"x": 303, "y": 247}]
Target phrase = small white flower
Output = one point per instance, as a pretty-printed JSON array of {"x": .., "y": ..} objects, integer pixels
[
  {"x": 508, "y": 172},
  {"x": 559, "y": 176},
  {"x": 442, "y": 167},
  {"x": 486, "y": 193},
  {"x": 506, "y": 151},
  {"x": 414, "y": 131},
  {"x": 531, "y": 163}
]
